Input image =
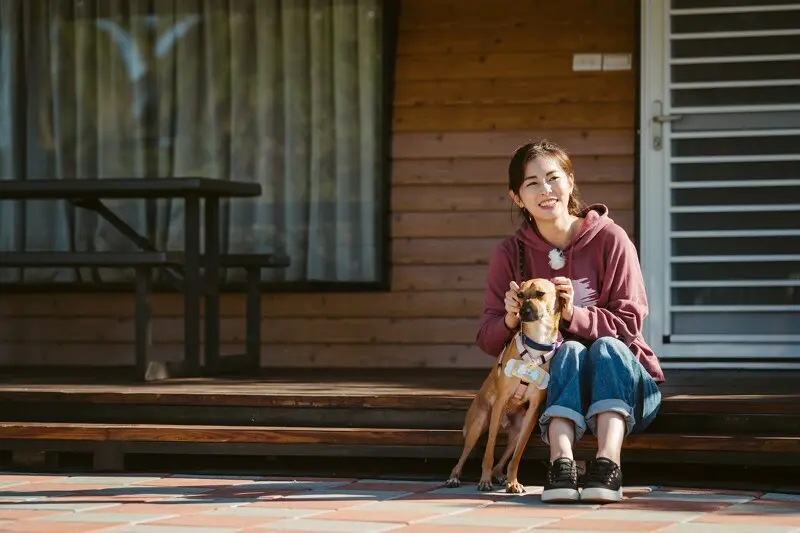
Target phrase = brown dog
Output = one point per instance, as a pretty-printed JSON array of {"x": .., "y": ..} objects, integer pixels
[{"x": 504, "y": 394}]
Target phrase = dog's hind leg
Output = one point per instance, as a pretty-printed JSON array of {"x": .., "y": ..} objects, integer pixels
[
  {"x": 525, "y": 430},
  {"x": 474, "y": 427}
]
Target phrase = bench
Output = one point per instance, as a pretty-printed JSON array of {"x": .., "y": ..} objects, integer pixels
[
  {"x": 250, "y": 361},
  {"x": 142, "y": 262}
]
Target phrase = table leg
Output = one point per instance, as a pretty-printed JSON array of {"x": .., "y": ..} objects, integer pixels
[
  {"x": 192, "y": 287},
  {"x": 212, "y": 284}
]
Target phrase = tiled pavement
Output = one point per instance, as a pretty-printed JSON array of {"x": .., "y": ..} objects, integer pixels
[{"x": 209, "y": 504}]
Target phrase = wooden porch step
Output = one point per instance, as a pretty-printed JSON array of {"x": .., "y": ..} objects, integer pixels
[{"x": 185, "y": 434}]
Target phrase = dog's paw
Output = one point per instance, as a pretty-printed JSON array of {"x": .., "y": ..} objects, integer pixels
[
  {"x": 452, "y": 483},
  {"x": 500, "y": 478},
  {"x": 515, "y": 487},
  {"x": 485, "y": 485}
]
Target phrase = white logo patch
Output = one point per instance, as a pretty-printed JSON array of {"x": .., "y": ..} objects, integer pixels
[{"x": 585, "y": 295}]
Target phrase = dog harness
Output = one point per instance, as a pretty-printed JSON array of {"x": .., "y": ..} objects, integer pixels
[
  {"x": 533, "y": 352},
  {"x": 529, "y": 350},
  {"x": 532, "y": 356}
]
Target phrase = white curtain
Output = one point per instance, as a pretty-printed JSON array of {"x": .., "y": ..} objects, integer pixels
[{"x": 286, "y": 93}]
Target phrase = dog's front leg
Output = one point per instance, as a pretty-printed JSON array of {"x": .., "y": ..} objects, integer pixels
[
  {"x": 475, "y": 426},
  {"x": 498, "y": 472},
  {"x": 525, "y": 430},
  {"x": 488, "y": 457}
]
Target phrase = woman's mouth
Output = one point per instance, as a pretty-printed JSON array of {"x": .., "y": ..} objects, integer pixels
[{"x": 548, "y": 204}]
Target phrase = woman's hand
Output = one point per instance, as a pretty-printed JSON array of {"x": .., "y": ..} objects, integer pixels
[
  {"x": 566, "y": 293},
  {"x": 512, "y": 305}
]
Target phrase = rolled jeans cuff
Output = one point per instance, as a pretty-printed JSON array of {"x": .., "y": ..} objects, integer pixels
[
  {"x": 612, "y": 405},
  {"x": 557, "y": 411}
]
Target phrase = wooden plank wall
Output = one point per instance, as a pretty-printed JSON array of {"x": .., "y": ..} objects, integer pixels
[{"x": 474, "y": 80}]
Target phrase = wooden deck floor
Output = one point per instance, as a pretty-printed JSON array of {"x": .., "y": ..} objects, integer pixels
[
  {"x": 428, "y": 388},
  {"x": 746, "y": 417}
]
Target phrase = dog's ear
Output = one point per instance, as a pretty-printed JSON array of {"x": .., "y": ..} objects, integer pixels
[{"x": 559, "y": 306}]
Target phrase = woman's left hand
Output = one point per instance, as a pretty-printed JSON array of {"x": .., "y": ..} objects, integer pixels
[{"x": 566, "y": 293}]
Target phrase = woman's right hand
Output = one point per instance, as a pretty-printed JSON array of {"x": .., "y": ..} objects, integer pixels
[{"x": 512, "y": 305}]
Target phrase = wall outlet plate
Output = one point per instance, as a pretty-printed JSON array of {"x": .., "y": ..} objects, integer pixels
[
  {"x": 587, "y": 62},
  {"x": 616, "y": 61}
]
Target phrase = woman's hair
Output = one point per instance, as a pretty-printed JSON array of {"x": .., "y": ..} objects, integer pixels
[{"x": 549, "y": 150}]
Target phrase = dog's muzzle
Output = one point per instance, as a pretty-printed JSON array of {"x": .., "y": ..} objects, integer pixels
[{"x": 528, "y": 313}]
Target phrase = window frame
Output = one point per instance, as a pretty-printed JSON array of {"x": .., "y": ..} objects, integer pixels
[{"x": 390, "y": 18}]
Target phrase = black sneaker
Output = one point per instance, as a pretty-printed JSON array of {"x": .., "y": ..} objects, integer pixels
[
  {"x": 562, "y": 482},
  {"x": 603, "y": 482}
]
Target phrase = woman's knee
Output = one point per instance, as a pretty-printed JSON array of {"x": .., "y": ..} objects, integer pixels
[
  {"x": 608, "y": 349},
  {"x": 570, "y": 355}
]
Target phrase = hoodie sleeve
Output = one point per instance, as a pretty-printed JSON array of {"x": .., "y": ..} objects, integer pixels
[
  {"x": 623, "y": 290},
  {"x": 492, "y": 331}
]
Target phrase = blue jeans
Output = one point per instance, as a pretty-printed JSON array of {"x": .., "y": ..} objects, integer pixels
[{"x": 604, "y": 377}]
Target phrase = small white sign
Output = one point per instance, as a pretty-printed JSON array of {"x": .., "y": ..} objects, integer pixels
[
  {"x": 616, "y": 62},
  {"x": 587, "y": 61}
]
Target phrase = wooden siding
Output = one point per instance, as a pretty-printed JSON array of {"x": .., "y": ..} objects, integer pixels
[{"x": 474, "y": 79}]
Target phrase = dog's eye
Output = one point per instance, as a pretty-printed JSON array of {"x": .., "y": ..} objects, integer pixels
[
  {"x": 520, "y": 296},
  {"x": 539, "y": 294}
]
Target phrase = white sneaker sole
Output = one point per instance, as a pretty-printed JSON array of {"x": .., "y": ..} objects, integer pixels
[
  {"x": 600, "y": 495},
  {"x": 560, "y": 495}
]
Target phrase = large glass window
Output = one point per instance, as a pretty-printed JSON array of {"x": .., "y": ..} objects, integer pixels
[{"x": 289, "y": 94}]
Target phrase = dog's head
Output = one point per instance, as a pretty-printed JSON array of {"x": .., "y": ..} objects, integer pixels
[{"x": 539, "y": 303}]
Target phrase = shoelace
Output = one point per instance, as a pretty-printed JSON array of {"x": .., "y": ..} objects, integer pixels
[
  {"x": 563, "y": 471},
  {"x": 602, "y": 472}
]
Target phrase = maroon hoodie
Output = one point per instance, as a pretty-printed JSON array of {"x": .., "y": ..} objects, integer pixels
[{"x": 609, "y": 294}]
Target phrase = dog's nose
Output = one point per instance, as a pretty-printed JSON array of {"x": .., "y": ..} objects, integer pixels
[{"x": 527, "y": 313}]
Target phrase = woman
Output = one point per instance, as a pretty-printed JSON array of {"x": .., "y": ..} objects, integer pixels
[{"x": 604, "y": 375}]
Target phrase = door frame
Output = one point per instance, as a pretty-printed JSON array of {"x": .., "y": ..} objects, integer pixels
[
  {"x": 654, "y": 216},
  {"x": 653, "y": 164}
]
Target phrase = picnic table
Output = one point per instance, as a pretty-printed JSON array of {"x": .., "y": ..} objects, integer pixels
[{"x": 90, "y": 193}]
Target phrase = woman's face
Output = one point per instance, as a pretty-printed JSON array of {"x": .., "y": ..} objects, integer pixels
[{"x": 545, "y": 190}]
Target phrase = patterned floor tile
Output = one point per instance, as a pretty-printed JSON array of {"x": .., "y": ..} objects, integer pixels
[
  {"x": 16, "y": 477},
  {"x": 669, "y": 505},
  {"x": 330, "y": 526},
  {"x": 99, "y": 516},
  {"x": 264, "y": 512},
  {"x": 694, "y": 527},
  {"x": 436, "y": 528},
  {"x": 216, "y": 521},
  {"x": 311, "y": 504},
  {"x": 640, "y": 515},
  {"x": 581, "y": 524},
  {"x": 412, "y": 506},
  {"x": 24, "y": 514},
  {"x": 393, "y": 514},
  {"x": 695, "y": 496},
  {"x": 147, "y": 528},
  {"x": 784, "y": 497},
  {"x": 37, "y": 526},
  {"x": 470, "y": 519},
  {"x": 770, "y": 513},
  {"x": 55, "y": 506},
  {"x": 108, "y": 480},
  {"x": 404, "y": 486},
  {"x": 543, "y": 510},
  {"x": 159, "y": 503}
]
